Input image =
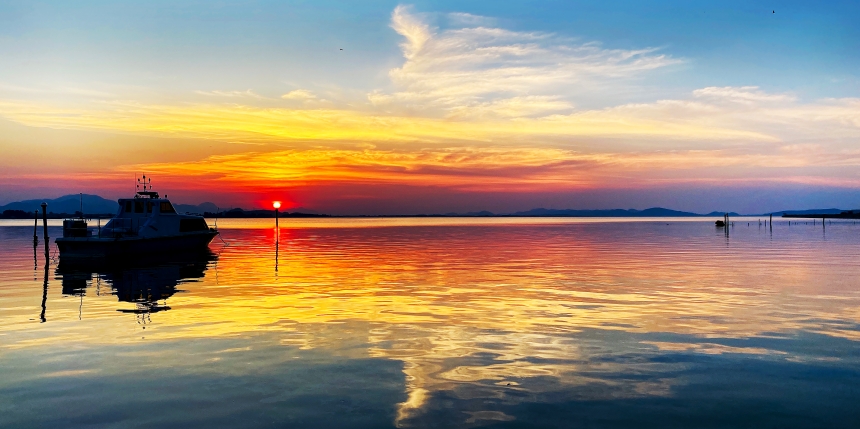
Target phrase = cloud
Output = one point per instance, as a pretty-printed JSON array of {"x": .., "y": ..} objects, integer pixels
[
  {"x": 470, "y": 20},
  {"x": 511, "y": 170},
  {"x": 744, "y": 94},
  {"x": 234, "y": 122},
  {"x": 416, "y": 32},
  {"x": 299, "y": 94},
  {"x": 455, "y": 69},
  {"x": 232, "y": 94}
]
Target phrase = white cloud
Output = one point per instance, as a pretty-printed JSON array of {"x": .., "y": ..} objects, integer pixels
[
  {"x": 416, "y": 32},
  {"x": 468, "y": 20},
  {"x": 478, "y": 66},
  {"x": 231, "y": 94},
  {"x": 743, "y": 94},
  {"x": 299, "y": 94}
]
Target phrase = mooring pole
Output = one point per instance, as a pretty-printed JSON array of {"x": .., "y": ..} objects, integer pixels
[
  {"x": 45, "y": 231},
  {"x": 35, "y": 228},
  {"x": 277, "y": 205},
  {"x": 45, "y": 220}
]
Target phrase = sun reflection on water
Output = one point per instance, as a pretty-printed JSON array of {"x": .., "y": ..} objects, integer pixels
[{"x": 510, "y": 314}]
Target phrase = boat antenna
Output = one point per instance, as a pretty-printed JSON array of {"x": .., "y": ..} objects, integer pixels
[
  {"x": 82, "y": 205},
  {"x": 145, "y": 182}
]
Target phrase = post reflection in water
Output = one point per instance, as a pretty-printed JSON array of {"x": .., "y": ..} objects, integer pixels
[
  {"x": 45, "y": 292},
  {"x": 641, "y": 324}
]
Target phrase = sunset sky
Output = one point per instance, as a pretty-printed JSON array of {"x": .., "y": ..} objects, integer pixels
[{"x": 435, "y": 106}]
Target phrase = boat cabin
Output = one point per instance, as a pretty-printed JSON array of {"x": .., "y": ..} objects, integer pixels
[{"x": 149, "y": 216}]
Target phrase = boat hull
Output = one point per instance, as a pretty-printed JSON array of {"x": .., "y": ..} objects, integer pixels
[{"x": 124, "y": 247}]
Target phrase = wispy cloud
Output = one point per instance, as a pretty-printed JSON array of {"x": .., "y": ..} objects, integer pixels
[
  {"x": 517, "y": 169},
  {"x": 247, "y": 123},
  {"x": 300, "y": 95},
  {"x": 477, "y": 65},
  {"x": 232, "y": 94}
]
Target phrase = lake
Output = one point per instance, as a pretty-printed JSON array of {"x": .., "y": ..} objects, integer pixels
[{"x": 441, "y": 322}]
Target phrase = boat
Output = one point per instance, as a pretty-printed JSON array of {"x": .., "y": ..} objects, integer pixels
[{"x": 144, "y": 225}]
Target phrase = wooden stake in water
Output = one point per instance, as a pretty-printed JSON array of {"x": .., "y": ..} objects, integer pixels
[
  {"x": 35, "y": 228},
  {"x": 45, "y": 221},
  {"x": 45, "y": 229}
]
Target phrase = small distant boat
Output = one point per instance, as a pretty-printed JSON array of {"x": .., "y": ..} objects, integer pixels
[
  {"x": 145, "y": 224},
  {"x": 719, "y": 223}
]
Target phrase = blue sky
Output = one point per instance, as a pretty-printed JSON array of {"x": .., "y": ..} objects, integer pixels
[{"x": 805, "y": 47}]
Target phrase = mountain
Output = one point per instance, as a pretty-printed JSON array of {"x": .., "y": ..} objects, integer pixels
[
  {"x": 806, "y": 212},
  {"x": 93, "y": 204},
  {"x": 652, "y": 212},
  {"x": 199, "y": 208},
  {"x": 732, "y": 214},
  {"x": 302, "y": 210}
]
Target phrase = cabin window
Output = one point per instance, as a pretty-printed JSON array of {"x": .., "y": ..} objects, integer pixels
[
  {"x": 138, "y": 206},
  {"x": 128, "y": 206},
  {"x": 149, "y": 206},
  {"x": 188, "y": 225},
  {"x": 166, "y": 207}
]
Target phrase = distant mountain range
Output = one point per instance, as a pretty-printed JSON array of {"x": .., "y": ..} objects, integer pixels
[
  {"x": 652, "y": 212},
  {"x": 94, "y": 204}
]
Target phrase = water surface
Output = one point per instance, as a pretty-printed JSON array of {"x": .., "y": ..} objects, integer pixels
[{"x": 497, "y": 322}]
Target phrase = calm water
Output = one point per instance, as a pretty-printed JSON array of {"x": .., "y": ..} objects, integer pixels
[{"x": 441, "y": 323}]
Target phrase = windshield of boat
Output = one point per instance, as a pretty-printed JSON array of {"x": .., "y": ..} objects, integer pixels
[{"x": 166, "y": 207}]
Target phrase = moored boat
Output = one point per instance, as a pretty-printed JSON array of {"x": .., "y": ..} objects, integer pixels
[{"x": 145, "y": 224}]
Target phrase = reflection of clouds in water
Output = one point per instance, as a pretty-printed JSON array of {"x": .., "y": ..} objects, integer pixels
[
  {"x": 513, "y": 368},
  {"x": 479, "y": 325}
]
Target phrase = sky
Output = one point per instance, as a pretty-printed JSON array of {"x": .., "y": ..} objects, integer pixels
[{"x": 381, "y": 107}]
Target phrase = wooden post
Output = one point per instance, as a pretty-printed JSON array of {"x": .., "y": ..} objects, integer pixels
[
  {"x": 45, "y": 232},
  {"x": 45, "y": 221},
  {"x": 276, "y": 218},
  {"x": 35, "y": 228}
]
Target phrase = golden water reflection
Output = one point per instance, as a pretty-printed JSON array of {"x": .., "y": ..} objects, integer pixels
[{"x": 479, "y": 310}]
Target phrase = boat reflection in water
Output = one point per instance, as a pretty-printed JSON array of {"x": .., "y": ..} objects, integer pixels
[{"x": 145, "y": 281}]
